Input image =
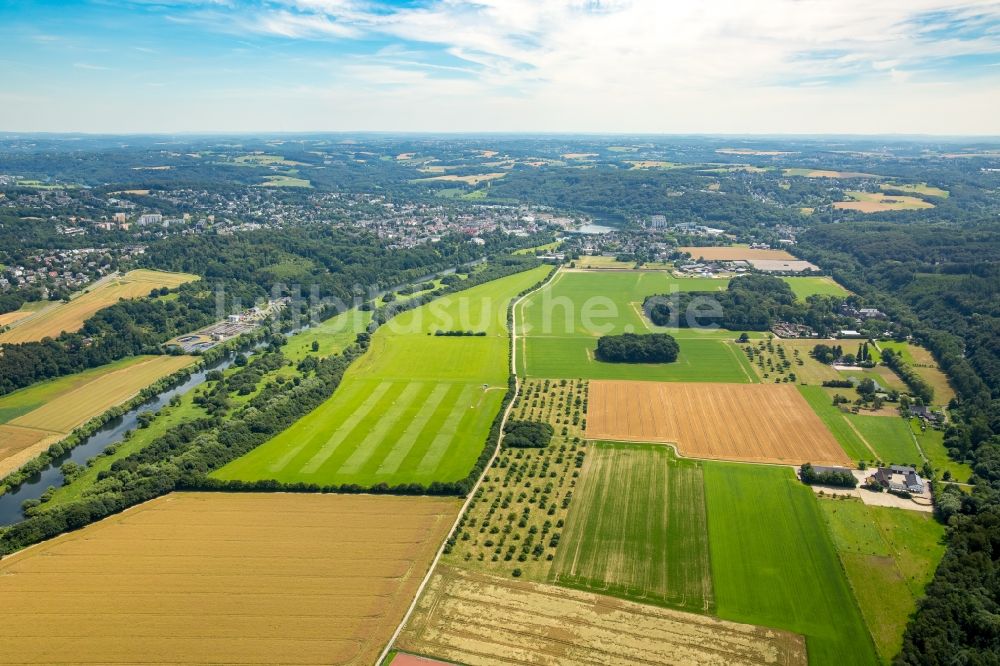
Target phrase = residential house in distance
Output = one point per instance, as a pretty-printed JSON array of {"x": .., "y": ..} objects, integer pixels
[{"x": 150, "y": 218}]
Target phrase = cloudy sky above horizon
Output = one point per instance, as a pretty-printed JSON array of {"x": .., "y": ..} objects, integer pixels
[{"x": 636, "y": 66}]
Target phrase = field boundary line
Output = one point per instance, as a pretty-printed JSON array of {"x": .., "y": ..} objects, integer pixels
[
  {"x": 862, "y": 437},
  {"x": 486, "y": 468}
]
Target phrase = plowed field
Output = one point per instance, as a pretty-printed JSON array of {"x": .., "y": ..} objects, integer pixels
[
  {"x": 203, "y": 578},
  {"x": 475, "y": 619},
  {"x": 749, "y": 422}
]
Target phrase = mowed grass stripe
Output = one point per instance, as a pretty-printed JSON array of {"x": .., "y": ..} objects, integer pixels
[
  {"x": 637, "y": 528},
  {"x": 401, "y": 441},
  {"x": 395, "y": 456},
  {"x": 346, "y": 428},
  {"x": 368, "y": 446},
  {"x": 774, "y": 564},
  {"x": 449, "y": 429}
]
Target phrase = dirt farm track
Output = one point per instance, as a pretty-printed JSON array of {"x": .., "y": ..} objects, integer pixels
[
  {"x": 744, "y": 422},
  {"x": 207, "y": 578}
]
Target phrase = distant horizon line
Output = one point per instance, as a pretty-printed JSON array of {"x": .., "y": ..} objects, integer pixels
[{"x": 6, "y": 134}]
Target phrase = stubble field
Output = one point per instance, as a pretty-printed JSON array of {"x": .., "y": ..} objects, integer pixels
[
  {"x": 755, "y": 422},
  {"x": 204, "y": 578},
  {"x": 33, "y": 418},
  {"x": 50, "y": 322},
  {"x": 637, "y": 529},
  {"x": 459, "y": 618}
]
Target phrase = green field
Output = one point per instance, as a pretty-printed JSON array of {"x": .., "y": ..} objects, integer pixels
[
  {"x": 331, "y": 335},
  {"x": 637, "y": 528},
  {"x": 889, "y": 436},
  {"x": 807, "y": 286},
  {"x": 413, "y": 409},
  {"x": 932, "y": 443},
  {"x": 774, "y": 564},
  {"x": 564, "y": 321},
  {"x": 834, "y": 419},
  {"x": 889, "y": 556}
]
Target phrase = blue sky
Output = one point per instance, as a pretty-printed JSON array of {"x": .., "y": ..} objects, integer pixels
[{"x": 889, "y": 66}]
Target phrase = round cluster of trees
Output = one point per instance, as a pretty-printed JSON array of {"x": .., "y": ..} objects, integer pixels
[{"x": 634, "y": 348}]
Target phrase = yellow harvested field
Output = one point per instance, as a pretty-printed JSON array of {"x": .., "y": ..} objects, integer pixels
[
  {"x": 877, "y": 202},
  {"x": 88, "y": 400},
  {"x": 474, "y": 179},
  {"x": 578, "y": 156},
  {"x": 735, "y": 253},
  {"x": 480, "y": 620},
  {"x": 19, "y": 445},
  {"x": 11, "y": 317},
  {"x": 744, "y": 422},
  {"x": 920, "y": 188},
  {"x": 208, "y": 578},
  {"x": 50, "y": 322}
]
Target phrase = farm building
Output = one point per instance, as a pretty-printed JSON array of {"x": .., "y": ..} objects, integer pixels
[{"x": 898, "y": 478}]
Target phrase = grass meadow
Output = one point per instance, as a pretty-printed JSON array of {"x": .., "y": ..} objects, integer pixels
[
  {"x": 774, "y": 564},
  {"x": 413, "y": 409},
  {"x": 862, "y": 437},
  {"x": 637, "y": 528},
  {"x": 563, "y": 322},
  {"x": 889, "y": 556},
  {"x": 808, "y": 286}
]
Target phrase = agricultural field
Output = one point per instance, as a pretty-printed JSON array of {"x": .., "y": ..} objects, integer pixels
[
  {"x": 919, "y": 188},
  {"x": 233, "y": 578},
  {"x": 889, "y": 556},
  {"x": 415, "y": 408},
  {"x": 774, "y": 564},
  {"x": 809, "y": 286},
  {"x": 826, "y": 173},
  {"x": 285, "y": 180},
  {"x": 878, "y": 202},
  {"x": 536, "y": 486},
  {"x": 748, "y": 422},
  {"x": 456, "y": 619},
  {"x": 563, "y": 321},
  {"x": 734, "y": 253},
  {"x": 52, "y": 321},
  {"x": 331, "y": 335},
  {"x": 474, "y": 179},
  {"x": 889, "y": 436},
  {"x": 35, "y": 417},
  {"x": 868, "y": 438},
  {"x": 921, "y": 360},
  {"x": 931, "y": 442},
  {"x": 637, "y": 528}
]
